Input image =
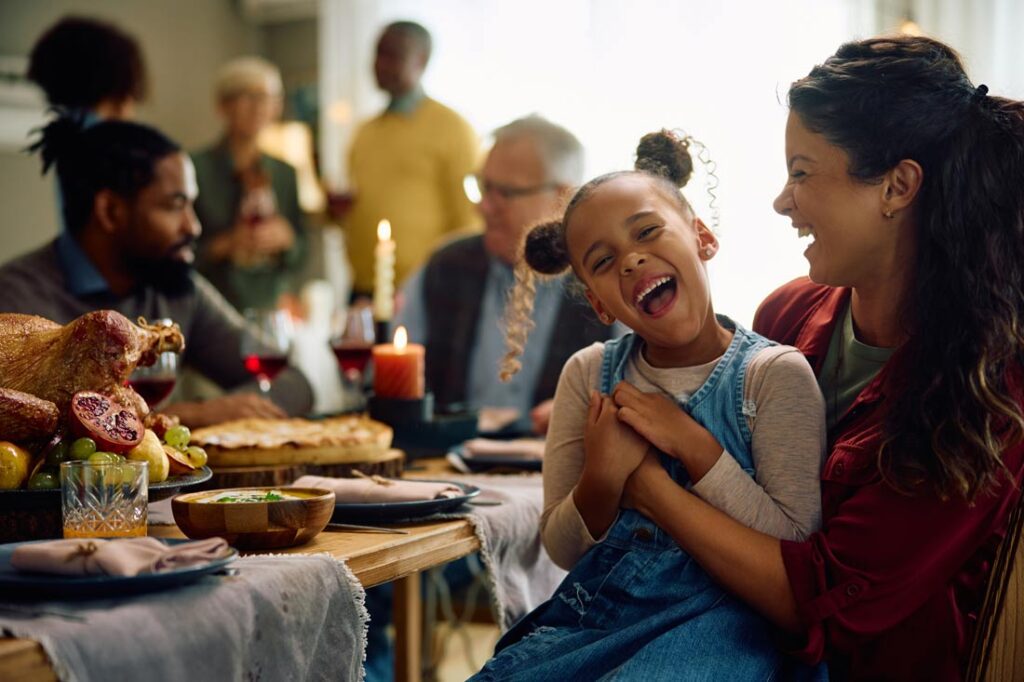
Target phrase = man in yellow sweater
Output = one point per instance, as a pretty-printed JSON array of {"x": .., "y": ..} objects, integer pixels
[{"x": 408, "y": 163}]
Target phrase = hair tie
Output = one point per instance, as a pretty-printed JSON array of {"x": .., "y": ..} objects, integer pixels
[{"x": 979, "y": 93}]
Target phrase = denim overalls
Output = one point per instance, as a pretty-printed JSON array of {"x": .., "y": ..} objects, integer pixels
[{"x": 636, "y": 606}]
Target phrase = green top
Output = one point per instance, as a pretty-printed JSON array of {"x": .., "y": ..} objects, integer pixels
[
  {"x": 407, "y": 103},
  {"x": 258, "y": 285},
  {"x": 849, "y": 366}
]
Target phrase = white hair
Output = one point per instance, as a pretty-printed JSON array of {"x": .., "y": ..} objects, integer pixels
[
  {"x": 245, "y": 74},
  {"x": 559, "y": 149}
]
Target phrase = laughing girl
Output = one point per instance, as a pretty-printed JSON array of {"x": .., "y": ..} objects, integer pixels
[{"x": 706, "y": 404}]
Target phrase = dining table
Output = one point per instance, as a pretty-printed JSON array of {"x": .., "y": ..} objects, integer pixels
[{"x": 374, "y": 558}]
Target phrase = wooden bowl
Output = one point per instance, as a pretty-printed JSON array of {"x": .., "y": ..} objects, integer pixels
[{"x": 255, "y": 525}]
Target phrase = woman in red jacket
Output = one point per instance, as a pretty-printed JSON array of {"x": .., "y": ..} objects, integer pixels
[{"x": 910, "y": 181}]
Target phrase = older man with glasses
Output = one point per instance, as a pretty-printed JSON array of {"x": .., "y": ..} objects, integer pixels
[{"x": 456, "y": 303}]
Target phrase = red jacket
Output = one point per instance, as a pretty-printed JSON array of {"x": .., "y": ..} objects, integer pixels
[{"x": 891, "y": 586}]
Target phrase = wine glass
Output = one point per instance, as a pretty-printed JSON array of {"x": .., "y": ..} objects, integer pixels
[
  {"x": 266, "y": 346},
  {"x": 352, "y": 346},
  {"x": 155, "y": 383}
]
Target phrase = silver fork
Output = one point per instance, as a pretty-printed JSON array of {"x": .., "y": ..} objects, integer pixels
[{"x": 364, "y": 529}]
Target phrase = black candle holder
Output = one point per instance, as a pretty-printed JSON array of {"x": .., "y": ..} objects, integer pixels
[
  {"x": 380, "y": 331},
  {"x": 401, "y": 411},
  {"x": 418, "y": 430}
]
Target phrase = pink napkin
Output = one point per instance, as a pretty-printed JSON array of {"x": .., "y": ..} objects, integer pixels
[
  {"x": 520, "y": 448},
  {"x": 122, "y": 557},
  {"x": 377, "y": 489}
]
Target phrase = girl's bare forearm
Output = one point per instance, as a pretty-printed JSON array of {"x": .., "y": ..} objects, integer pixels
[{"x": 597, "y": 498}]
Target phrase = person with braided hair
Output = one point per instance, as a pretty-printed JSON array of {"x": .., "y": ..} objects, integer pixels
[
  {"x": 129, "y": 246},
  {"x": 692, "y": 399}
]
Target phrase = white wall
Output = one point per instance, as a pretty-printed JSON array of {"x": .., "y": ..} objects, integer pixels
[{"x": 610, "y": 71}]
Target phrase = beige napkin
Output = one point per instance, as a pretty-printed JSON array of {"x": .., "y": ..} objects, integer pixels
[
  {"x": 495, "y": 418},
  {"x": 520, "y": 448},
  {"x": 376, "y": 489},
  {"x": 122, "y": 557}
]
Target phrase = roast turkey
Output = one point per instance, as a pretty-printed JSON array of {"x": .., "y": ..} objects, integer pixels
[{"x": 43, "y": 364}]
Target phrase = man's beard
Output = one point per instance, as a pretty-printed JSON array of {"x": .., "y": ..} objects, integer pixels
[{"x": 168, "y": 275}]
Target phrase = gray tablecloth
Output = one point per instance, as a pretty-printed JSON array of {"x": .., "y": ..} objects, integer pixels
[
  {"x": 280, "y": 618},
  {"x": 521, "y": 573}
]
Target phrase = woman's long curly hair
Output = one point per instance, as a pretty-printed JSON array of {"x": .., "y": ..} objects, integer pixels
[
  {"x": 664, "y": 156},
  {"x": 956, "y": 405}
]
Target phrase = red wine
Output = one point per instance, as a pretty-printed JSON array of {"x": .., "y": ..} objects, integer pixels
[
  {"x": 352, "y": 356},
  {"x": 154, "y": 390},
  {"x": 268, "y": 366}
]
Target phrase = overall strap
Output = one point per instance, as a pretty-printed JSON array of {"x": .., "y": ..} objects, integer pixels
[{"x": 616, "y": 357}]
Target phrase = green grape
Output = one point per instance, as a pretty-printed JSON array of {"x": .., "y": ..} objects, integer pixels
[
  {"x": 58, "y": 453},
  {"x": 178, "y": 437},
  {"x": 103, "y": 458},
  {"x": 83, "y": 448},
  {"x": 196, "y": 455},
  {"x": 43, "y": 480}
]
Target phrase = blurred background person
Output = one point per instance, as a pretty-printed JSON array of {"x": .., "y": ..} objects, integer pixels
[
  {"x": 408, "y": 163},
  {"x": 254, "y": 239},
  {"x": 455, "y": 305},
  {"x": 90, "y": 68},
  {"x": 128, "y": 247}
]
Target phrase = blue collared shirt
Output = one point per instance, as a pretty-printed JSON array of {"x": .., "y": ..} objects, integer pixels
[{"x": 80, "y": 276}]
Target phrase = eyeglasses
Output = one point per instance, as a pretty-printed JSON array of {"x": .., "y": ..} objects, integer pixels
[{"x": 477, "y": 187}]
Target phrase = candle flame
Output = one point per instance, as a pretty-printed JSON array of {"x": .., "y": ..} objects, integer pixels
[
  {"x": 383, "y": 231},
  {"x": 401, "y": 338}
]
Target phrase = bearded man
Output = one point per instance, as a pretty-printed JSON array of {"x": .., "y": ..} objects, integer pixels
[{"x": 128, "y": 245}]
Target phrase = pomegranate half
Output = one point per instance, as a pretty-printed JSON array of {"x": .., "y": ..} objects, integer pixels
[{"x": 114, "y": 428}]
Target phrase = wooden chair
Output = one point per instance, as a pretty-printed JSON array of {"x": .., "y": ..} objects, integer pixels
[{"x": 998, "y": 651}]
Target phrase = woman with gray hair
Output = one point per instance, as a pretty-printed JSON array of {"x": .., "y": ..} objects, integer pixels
[{"x": 253, "y": 239}]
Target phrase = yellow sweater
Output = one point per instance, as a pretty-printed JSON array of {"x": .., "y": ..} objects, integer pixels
[{"x": 409, "y": 168}]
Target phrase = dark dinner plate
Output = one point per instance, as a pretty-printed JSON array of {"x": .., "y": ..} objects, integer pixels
[
  {"x": 487, "y": 462},
  {"x": 44, "y": 585},
  {"x": 403, "y": 511}
]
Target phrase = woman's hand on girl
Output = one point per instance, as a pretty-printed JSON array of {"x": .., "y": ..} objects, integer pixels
[{"x": 667, "y": 427}]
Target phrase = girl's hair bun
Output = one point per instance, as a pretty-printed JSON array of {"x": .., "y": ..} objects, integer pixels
[
  {"x": 665, "y": 155},
  {"x": 545, "y": 250}
]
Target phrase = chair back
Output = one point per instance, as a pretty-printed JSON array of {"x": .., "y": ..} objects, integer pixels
[{"x": 998, "y": 651}]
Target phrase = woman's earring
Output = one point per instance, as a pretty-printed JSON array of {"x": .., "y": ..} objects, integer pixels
[
  {"x": 708, "y": 251},
  {"x": 888, "y": 213}
]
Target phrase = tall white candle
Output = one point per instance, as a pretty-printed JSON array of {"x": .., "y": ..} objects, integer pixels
[{"x": 384, "y": 273}]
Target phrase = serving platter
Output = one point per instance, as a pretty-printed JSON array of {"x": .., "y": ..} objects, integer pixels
[{"x": 35, "y": 514}]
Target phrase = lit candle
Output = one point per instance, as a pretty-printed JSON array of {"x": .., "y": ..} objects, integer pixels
[
  {"x": 398, "y": 368},
  {"x": 384, "y": 273}
]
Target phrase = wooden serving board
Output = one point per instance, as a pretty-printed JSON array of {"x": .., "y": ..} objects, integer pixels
[{"x": 388, "y": 464}]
